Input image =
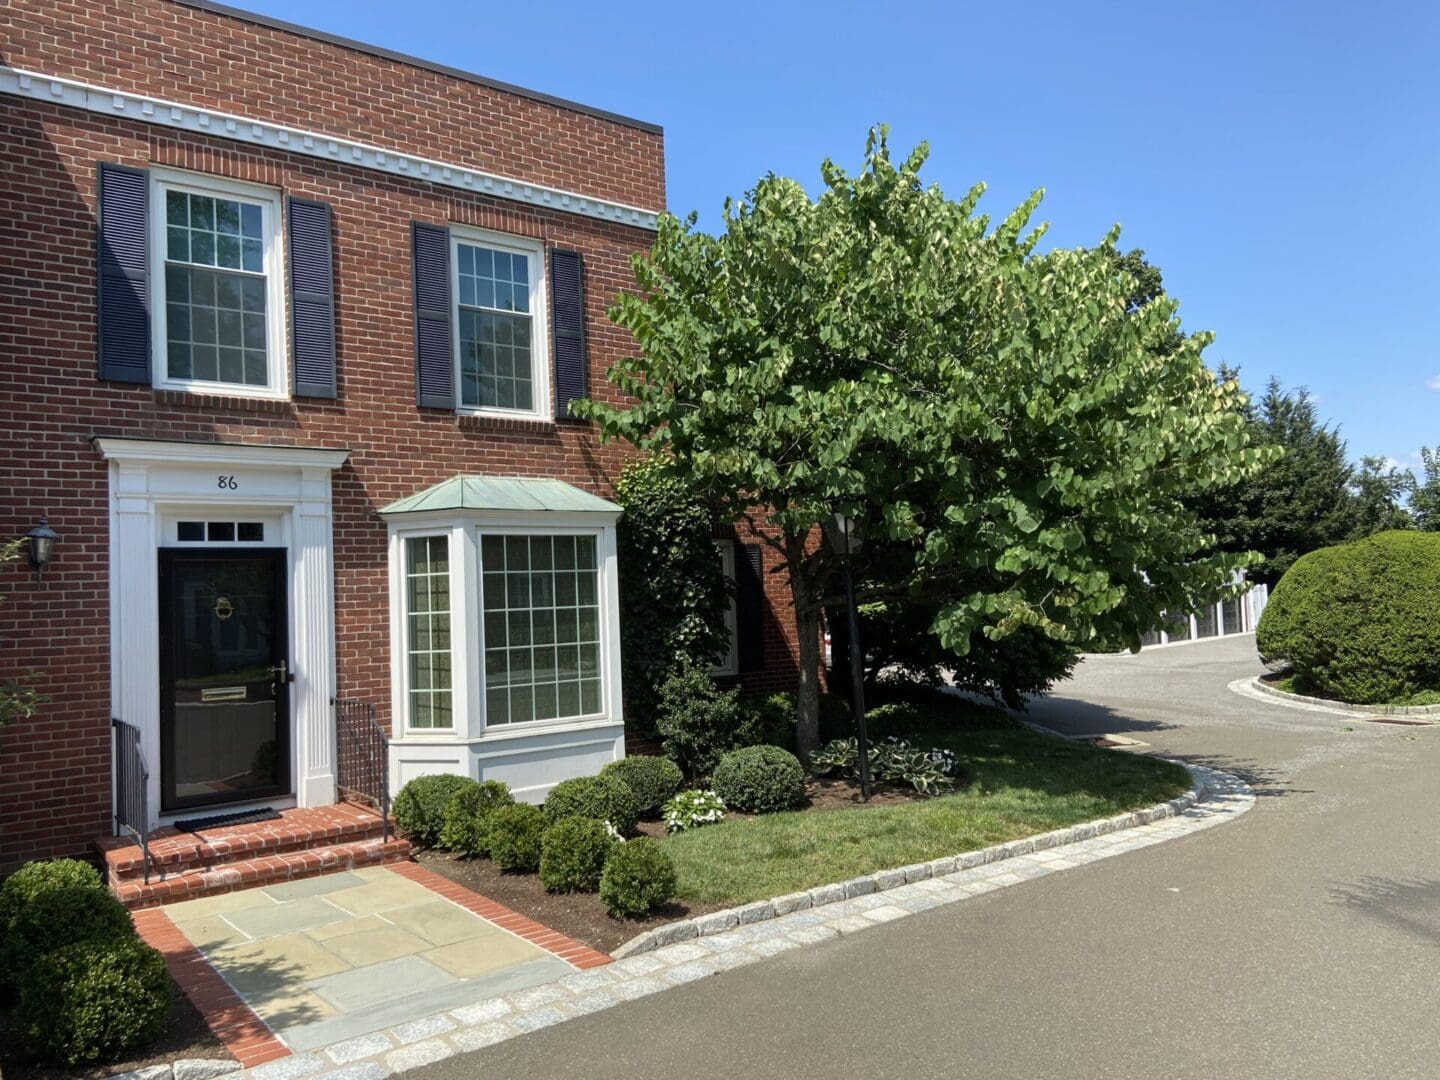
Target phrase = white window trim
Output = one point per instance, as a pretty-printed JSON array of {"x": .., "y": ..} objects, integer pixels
[
  {"x": 539, "y": 319},
  {"x": 467, "y": 644},
  {"x": 401, "y": 665},
  {"x": 272, "y": 228},
  {"x": 729, "y": 664}
]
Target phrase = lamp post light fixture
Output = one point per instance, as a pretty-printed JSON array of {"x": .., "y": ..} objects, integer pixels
[
  {"x": 42, "y": 544},
  {"x": 845, "y": 536}
]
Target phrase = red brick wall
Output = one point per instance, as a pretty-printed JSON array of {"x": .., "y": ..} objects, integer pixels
[
  {"x": 196, "y": 57},
  {"x": 54, "y": 771}
]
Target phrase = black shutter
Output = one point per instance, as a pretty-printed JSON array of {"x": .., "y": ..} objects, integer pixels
[
  {"x": 123, "y": 243},
  {"x": 312, "y": 298},
  {"x": 749, "y": 607},
  {"x": 567, "y": 307},
  {"x": 434, "y": 359}
]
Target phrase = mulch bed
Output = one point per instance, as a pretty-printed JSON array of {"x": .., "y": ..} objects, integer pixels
[
  {"x": 186, "y": 1036},
  {"x": 582, "y": 916}
]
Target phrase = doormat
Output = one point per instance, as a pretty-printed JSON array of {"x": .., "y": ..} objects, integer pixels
[{"x": 243, "y": 817}]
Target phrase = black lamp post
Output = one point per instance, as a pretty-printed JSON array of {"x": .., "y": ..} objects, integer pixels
[
  {"x": 843, "y": 536},
  {"x": 42, "y": 544}
]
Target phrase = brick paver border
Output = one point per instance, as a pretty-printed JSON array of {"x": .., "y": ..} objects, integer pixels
[
  {"x": 568, "y": 949},
  {"x": 234, "y": 1023}
]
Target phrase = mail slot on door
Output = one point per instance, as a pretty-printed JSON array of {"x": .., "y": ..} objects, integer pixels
[{"x": 223, "y": 693}]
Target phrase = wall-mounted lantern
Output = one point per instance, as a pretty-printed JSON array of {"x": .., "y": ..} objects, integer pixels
[{"x": 42, "y": 544}]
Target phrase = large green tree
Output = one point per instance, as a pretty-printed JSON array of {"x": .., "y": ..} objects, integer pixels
[
  {"x": 1425, "y": 491},
  {"x": 996, "y": 414}
]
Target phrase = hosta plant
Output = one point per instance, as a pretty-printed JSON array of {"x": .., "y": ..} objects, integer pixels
[
  {"x": 691, "y": 809},
  {"x": 930, "y": 772}
]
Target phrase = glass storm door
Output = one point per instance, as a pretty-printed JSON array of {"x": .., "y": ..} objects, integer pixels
[{"x": 224, "y": 684}]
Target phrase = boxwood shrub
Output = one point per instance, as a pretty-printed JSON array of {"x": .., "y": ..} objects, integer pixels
[
  {"x": 92, "y": 1001},
  {"x": 35, "y": 878},
  {"x": 652, "y": 779},
  {"x": 573, "y": 855},
  {"x": 419, "y": 809},
  {"x": 514, "y": 836},
  {"x": 466, "y": 824},
  {"x": 603, "y": 798},
  {"x": 761, "y": 779},
  {"x": 1360, "y": 622},
  {"x": 638, "y": 877},
  {"x": 61, "y": 917}
]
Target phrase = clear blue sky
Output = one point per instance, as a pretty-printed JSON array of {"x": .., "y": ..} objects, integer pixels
[{"x": 1279, "y": 161}]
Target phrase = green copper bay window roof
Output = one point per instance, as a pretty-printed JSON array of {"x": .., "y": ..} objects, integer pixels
[{"x": 501, "y": 493}]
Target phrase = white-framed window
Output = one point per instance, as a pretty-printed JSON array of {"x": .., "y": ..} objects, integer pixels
[
  {"x": 503, "y": 622},
  {"x": 217, "y": 273},
  {"x": 501, "y": 345},
  {"x": 542, "y": 630},
  {"x": 729, "y": 662},
  {"x": 426, "y": 633}
]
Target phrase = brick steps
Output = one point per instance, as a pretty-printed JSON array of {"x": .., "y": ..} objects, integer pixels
[{"x": 302, "y": 843}]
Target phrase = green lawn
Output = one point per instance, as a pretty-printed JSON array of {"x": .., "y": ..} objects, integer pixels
[{"x": 1021, "y": 783}]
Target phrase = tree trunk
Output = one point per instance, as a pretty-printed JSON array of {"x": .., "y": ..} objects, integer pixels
[{"x": 807, "y": 718}]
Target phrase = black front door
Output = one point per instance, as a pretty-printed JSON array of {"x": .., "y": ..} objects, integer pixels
[{"x": 224, "y": 684}]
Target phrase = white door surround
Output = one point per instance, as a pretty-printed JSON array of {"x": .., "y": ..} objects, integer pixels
[{"x": 152, "y": 484}]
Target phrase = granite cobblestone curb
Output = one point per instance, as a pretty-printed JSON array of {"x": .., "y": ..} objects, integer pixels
[
  {"x": 731, "y": 939},
  {"x": 1292, "y": 698},
  {"x": 184, "y": 1069}
]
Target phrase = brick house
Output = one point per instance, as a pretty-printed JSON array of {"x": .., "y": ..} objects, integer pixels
[{"x": 291, "y": 327}]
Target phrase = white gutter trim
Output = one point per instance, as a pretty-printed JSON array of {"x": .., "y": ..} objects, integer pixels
[{"x": 175, "y": 115}]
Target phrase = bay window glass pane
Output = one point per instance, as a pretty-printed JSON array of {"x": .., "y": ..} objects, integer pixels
[
  {"x": 496, "y": 362},
  {"x": 215, "y": 312},
  {"x": 542, "y": 627},
  {"x": 427, "y": 601}
]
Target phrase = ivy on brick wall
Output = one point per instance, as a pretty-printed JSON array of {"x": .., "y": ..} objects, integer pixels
[{"x": 673, "y": 593}]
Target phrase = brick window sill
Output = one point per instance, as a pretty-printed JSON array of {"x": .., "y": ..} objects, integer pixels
[{"x": 222, "y": 402}]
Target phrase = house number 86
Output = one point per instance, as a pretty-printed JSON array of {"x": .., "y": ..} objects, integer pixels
[{"x": 227, "y": 483}]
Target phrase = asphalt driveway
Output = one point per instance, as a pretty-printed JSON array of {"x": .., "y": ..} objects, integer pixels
[{"x": 1301, "y": 940}]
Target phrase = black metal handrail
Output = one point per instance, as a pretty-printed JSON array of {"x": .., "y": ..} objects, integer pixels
[
  {"x": 132, "y": 787},
  {"x": 362, "y": 766}
]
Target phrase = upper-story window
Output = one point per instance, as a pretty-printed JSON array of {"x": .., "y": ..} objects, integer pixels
[
  {"x": 501, "y": 350},
  {"x": 220, "y": 313}
]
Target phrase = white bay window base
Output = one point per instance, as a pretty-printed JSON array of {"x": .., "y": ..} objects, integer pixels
[{"x": 530, "y": 761}]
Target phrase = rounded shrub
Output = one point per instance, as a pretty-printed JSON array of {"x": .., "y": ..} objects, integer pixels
[
  {"x": 652, "y": 779},
  {"x": 93, "y": 1001},
  {"x": 1359, "y": 622},
  {"x": 761, "y": 779},
  {"x": 61, "y": 917},
  {"x": 638, "y": 877},
  {"x": 574, "y": 854},
  {"x": 467, "y": 815},
  {"x": 35, "y": 878},
  {"x": 514, "y": 836},
  {"x": 604, "y": 798},
  {"x": 419, "y": 809}
]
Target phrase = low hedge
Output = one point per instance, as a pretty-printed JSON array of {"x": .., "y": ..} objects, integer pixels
[
  {"x": 34, "y": 878},
  {"x": 419, "y": 809},
  {"x": 652, "y": 779},
  {"x": 514, "y": 837},
  {"x": 760, "y": 779},
  {"x": 1360, "y": 622},
  {"x": 638, "y": 878},
  {"x": 603, "y": 798},
  {"x": 573, "y": 855},
  {"x": 92, "y": 1001},
  {"x": 466, "y": 827},
  {"x": 60, "y": 917}
]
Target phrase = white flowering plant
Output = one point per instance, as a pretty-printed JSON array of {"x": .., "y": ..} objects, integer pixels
[{"x": 691, "y": 809}]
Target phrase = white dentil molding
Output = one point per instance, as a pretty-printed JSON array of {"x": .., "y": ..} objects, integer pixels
[{"x": 38, "y": 86}]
